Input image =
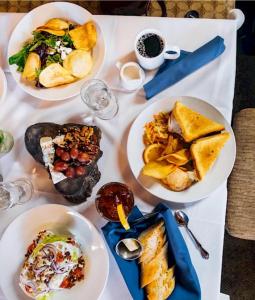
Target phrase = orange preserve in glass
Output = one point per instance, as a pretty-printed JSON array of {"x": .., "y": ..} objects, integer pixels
[{"x": 110, "y": 196}]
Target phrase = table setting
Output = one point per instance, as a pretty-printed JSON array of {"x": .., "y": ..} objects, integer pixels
[{"x": 115, "y": 149}]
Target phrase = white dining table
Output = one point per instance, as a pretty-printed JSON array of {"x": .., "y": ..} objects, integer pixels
[{"x": 213, "y": 83}]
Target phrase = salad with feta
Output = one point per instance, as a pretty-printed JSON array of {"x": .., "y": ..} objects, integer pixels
[
  {"x": 52, "y": 262},
  {"x": 59, "y": 52}
]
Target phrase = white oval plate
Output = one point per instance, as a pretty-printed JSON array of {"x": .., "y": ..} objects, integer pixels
[
  {"x": 38, "y": 17},
  {"x": 214, "y": 178},
  {"x": 60, "y": 219},
  {"x": 3, "y": 85}
]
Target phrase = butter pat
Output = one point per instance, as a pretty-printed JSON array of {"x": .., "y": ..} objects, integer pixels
[{"x": 130, "y": 244}]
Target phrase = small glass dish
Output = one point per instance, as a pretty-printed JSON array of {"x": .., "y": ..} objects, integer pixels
[{"x": 109, "y": 196}]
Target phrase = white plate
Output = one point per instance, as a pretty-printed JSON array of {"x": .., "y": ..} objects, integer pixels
[
  {"x": 60, "y": 219},
  {"x": 214, "y": 178},
  {"x": 38, "y": 17},
  {"x": 3, "y": 85}
]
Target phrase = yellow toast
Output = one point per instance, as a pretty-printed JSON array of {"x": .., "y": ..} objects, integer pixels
[{"x": 193, "y": 125}]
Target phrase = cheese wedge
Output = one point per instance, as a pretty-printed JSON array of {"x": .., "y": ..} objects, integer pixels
[{"x": 205, "y": 151}]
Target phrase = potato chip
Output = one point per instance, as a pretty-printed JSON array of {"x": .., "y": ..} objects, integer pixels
[
  {"x": 79, "y": 63},
  {"x": 32, "y": 66},
  {"x": 55, "y": 75},
  {"x": 179, "y": 158},
  {"x": 85, "y": 36},
  {"x": 51, "y": 31},
  {"x": 56, "y": 24},
  {"x": 173, "y": 144},
  {"x": 158, "y": 170}
]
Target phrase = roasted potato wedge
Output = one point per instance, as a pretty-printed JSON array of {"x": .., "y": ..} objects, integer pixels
[
  {"x": 32, "y": 66},
  {"x": 178, "y": 180},
  {"x": 55, "y": 75},
  {"x": 51, "y": 31},
  {"x": 85, "y": 36},
  {"x": 158, "y": 170},
  {"x": 79, "y": 63},
  {"x": 57, "y": 24}
]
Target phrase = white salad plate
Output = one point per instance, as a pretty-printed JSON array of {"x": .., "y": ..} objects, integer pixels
[
  {"x": 3, "y": 86},
  {"x": 213, "y": 179},
  {"x": 38, "y": 17},
  {"x": 60, "y": 220}
]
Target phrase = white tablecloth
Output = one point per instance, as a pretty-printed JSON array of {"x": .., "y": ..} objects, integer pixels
[{"x": 213, "y": 83}]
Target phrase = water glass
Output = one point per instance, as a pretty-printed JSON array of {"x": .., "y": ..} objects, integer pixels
[
  {"x": 6, "y": 142},
  {"x": 100, "y": 99},
  {"x": 16, "y": 192}
]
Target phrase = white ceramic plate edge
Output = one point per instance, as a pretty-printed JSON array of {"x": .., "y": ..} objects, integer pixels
[
  {"x": 170, "y": 195},
  {"x": 4, "y": 85},
  {"x": 73, "y": 212},
  {"x": 35, "y": 93}
]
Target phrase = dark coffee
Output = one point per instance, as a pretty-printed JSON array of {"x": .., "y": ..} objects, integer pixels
[{"x": 150, "y": 45}]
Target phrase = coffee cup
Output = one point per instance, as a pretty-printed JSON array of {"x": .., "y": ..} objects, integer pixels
[
  {"x": 151, "y": 49},
  {"x": 131, "y": 75}
]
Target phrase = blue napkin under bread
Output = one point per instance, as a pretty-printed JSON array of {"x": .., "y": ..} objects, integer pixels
[
  {"x": 172, "y": 71},
  {"x": 187, "y": 284}
]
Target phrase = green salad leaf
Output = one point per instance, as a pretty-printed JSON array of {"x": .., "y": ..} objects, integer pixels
[
  {"x": 41, "y": 39},
  {"x": 20, "y": 58},
  {"x": 56, "y": 58},
  {"x": 1, "y": 137},
  {"x": 67, "y": 40}
]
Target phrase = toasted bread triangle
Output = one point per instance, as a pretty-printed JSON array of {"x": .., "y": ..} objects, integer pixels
[
  {"x": 205, "y": 151},
  {"x": 193, "y": 125}
]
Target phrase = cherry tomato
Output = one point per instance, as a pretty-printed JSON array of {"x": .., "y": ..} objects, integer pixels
[
  {"x": 59, "y": 151},
  {"x": 65, "y": 156},
  {"x": 70, "y": 172},
  {"x": 65, "y": 283},
  {"x": 74, "y": 153},
  {"x": 83, "y": 157},
  {"x": 80, "y": 171},
  {"x": 59, "y": 257},
  {"x": 60, "y": 166}
]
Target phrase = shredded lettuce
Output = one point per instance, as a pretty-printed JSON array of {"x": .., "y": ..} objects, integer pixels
[
  {"x": 47, "y": 240},
  {"x": 44, "y": 296}
]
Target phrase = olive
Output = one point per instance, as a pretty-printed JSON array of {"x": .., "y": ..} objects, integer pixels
[
  {"x": 83, "y": 157},
  {"x": 70, "y": 172},
  {"x": 74, "y": 153},
  {"x": 59, "y": 151},
  {"x": 60, "y": 166},
  {"x": 80, "y": 171},
  {"x": 65, "y": 156}
]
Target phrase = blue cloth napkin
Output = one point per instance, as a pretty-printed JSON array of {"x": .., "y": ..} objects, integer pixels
[
  {"x": 172, "y": 71},
  {"x": 187, "y": 284}
]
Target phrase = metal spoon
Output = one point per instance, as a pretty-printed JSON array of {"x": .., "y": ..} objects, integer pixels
[
  {"x": 129, "y": 249},
  {"x": 183, "y": 220}
]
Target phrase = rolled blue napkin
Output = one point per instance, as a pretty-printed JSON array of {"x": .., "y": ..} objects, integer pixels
[
  {"x": 187, "y": 285},
  {"x": 173, "y": 71}
]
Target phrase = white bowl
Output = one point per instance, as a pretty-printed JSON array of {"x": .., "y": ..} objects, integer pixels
[
  {"x": 38, "y": 17},
  {"x": 3, "y": 85},
  {"x": 213, "y": 179},
  {"x": 59, "y": 219}
]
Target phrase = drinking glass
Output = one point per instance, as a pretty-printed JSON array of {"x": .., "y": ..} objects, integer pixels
[
  {"x": 100, "y": 99},
  {"x": 6, "y": 142},
  {"x": 15, "y": 192}
]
